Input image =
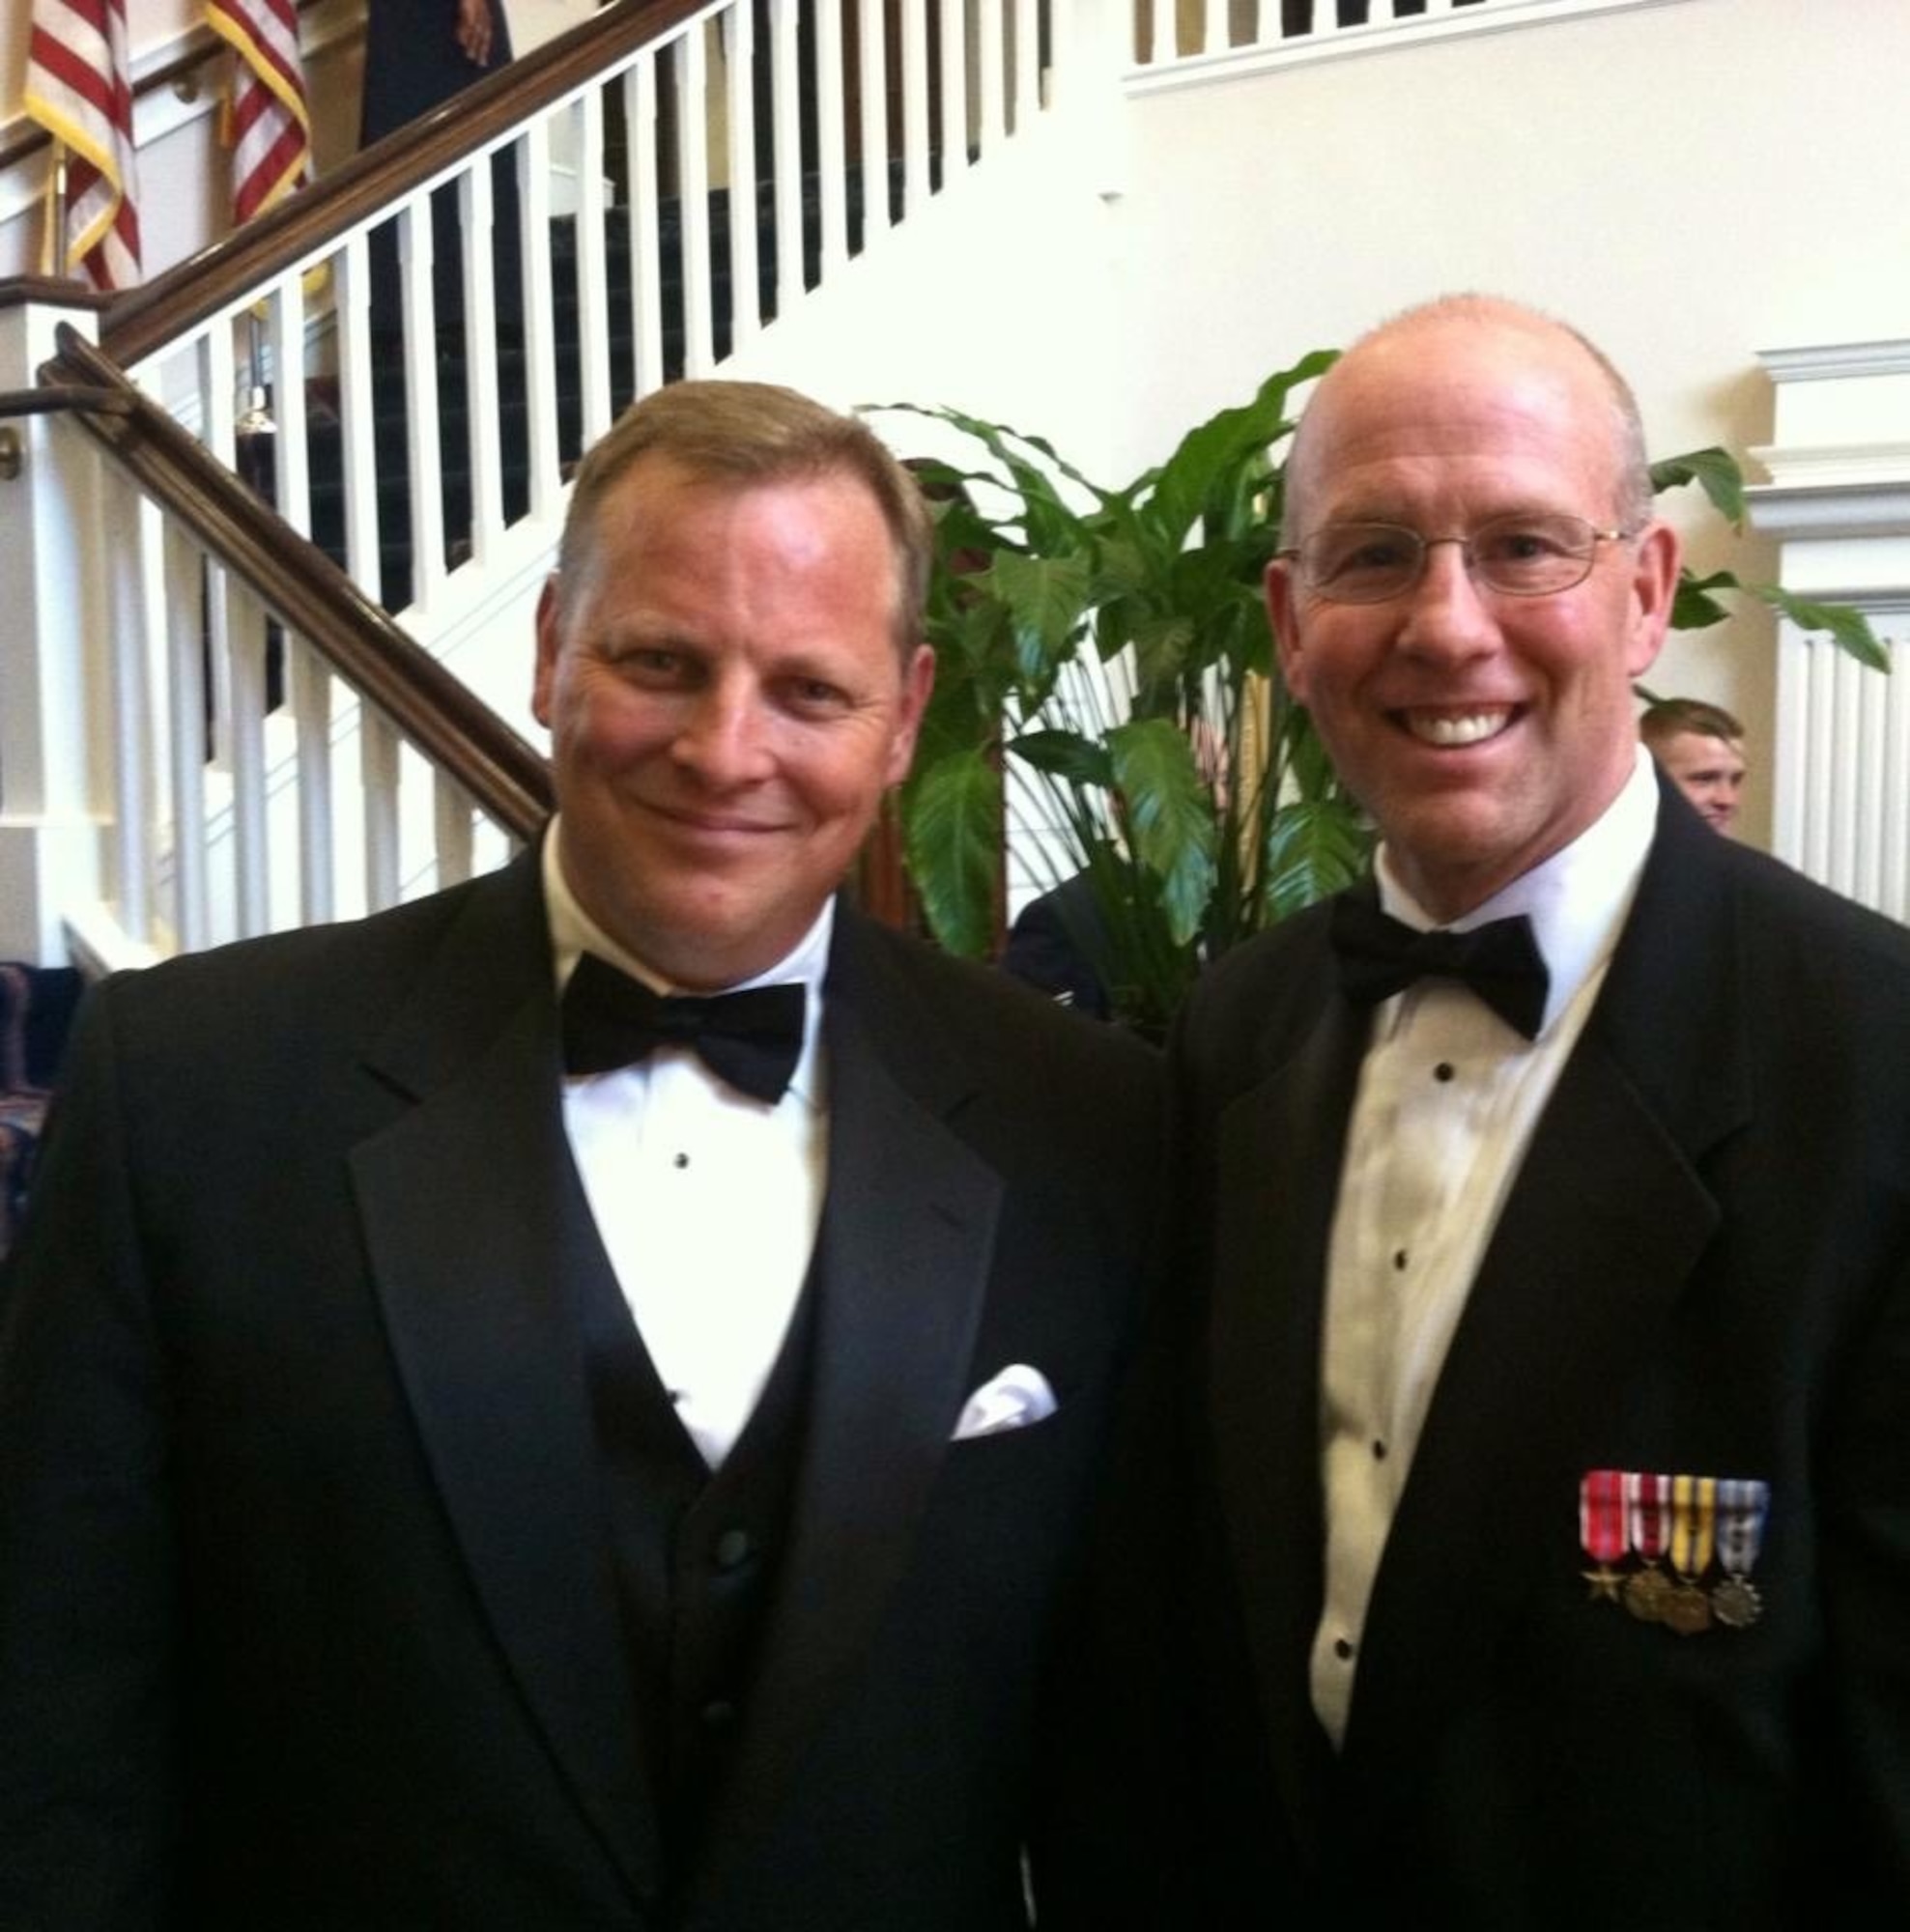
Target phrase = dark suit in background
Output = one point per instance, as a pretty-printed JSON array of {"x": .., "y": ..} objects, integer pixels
[
  {"x": 354, "y": 1569},
  {"x": 1055, "y": 944},
  {"x": 1702, "y": 1265}
]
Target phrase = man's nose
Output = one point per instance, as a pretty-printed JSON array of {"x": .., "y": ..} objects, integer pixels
[
  {"x": 1445, "y": 613},
  {"x": 723, "y": 739}
]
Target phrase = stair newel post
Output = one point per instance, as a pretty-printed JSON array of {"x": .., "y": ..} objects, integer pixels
[{"x": 56, "y": 794}]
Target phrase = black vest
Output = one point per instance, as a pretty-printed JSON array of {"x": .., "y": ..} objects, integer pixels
[{"x": 694, "y": 1551}]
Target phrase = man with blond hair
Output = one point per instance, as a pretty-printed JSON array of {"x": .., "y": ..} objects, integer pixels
[
  {"x": 574, "y": 1404},
  {"x": 1700, "y": 748}
]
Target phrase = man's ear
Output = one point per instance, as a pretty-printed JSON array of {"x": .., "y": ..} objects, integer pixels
[
  {"x": 917, "y": 682},
  {"x": 550, "y": 645},
  {"x": 1654, "y": 590},
  {"x": 1281, "y": 616}
]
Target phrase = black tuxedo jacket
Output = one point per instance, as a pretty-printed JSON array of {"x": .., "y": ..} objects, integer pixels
[
  {"x": 307, "y": 1617},
  {"x": 1703, "y": 1267}
]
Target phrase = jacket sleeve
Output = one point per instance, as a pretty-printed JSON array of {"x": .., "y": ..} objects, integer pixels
[
  {"x": 1864, "y": 1572},
  {"x": 87, "y": 1621}
]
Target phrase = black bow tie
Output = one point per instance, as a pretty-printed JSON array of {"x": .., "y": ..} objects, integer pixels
[
  {"x": 751, "y": 1039},
  {"x": 1499, "y": 961}
]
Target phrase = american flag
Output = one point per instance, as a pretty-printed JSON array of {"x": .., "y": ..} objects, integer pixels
[
  {"x": 77, "y": 89},
  {"x": 268, "y": 127}
]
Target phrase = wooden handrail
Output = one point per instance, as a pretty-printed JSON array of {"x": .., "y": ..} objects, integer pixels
[
  {"x": 145, "y": 318},
  {"x": 506, "y": 777}
]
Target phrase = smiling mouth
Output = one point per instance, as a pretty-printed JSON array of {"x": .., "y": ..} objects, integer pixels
[
  {"x": 710, "y": 824},
  {"x": 1447, "y": 730}
]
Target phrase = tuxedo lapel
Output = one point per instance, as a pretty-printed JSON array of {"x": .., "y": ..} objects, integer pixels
[
  {"x": 475, "y": 1222},
  {"x": 1602, "y": 1228},
  {"x": 901, "y": 1268},
  {"x": 1278, "y": 1152}
]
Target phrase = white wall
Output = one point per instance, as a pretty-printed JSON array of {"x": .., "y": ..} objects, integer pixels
[{"x": 1689, "y": 183}]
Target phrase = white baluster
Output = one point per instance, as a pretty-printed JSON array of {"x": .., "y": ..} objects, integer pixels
[
  {"x": 1028, "y": 63},
  {"x": 356, "y": 402},
  {"x": 379, "y": 755},
  {"x": 311, "y": 707},
  {"x": 452, "y": 808},
  {"x": 785, "y": 121},
  {"x": 639, "y": 113},
  {"x": 483, "y": 403},
  {"x": 422, "y": 441},
  {"x": 739, "y": 55},
  {"x": 186, "y": 572},
  {"x": 291, "y": 468},
  {"x": 139, "y": 727},
  {"x": 691, "y": 69},
  {"x": 872, "y": 51},
  {"x": 245, "y": 624},
  {"x": 914, "y": 105},
  {"x": 541, "y": 349},
  {"x": 832, "y": 136},
  {"x": 955, "y": 89},
  {"x": 593, "y": 308},
  {"x": 991, "y": 61}
]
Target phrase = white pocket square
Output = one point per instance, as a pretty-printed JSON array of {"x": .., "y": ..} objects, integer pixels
[{"x": 1012, "y": 1399}]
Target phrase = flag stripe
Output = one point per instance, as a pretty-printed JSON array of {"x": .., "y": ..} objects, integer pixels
[
  {"x": 76, "y": 88},
  {"x": 268, "y": 123}
]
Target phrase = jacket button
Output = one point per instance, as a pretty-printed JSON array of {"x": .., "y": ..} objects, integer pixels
[
  {"x": 719, "y": 1713},
  {"x": 733, "y": 1546}
]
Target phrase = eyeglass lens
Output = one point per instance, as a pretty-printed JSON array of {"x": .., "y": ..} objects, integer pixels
[{"x": 1523, "y": 556}]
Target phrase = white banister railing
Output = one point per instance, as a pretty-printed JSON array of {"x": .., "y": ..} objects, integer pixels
[
  {"x": 1179, "y": 42},
  {"x": 253, "y": 788}
]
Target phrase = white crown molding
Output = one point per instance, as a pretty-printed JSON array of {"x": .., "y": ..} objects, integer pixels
[
  {"x": 1836, "y": 361},
  {"x": 1815, "y": 510}
]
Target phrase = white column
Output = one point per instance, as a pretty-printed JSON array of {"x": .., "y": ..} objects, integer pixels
[{"x": 1838, "y": 501}]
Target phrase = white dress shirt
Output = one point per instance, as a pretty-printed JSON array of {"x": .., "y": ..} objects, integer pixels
[
  {"x": 706, "y": 1201},
  {"x": 1448, "y": 1098}
]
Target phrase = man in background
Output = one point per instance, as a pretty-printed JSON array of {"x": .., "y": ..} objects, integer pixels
[
  {"x": 574, "y": 1404},
  {"x": 1700, "y": 748},
  {"x": 1550, "y": 1196}
]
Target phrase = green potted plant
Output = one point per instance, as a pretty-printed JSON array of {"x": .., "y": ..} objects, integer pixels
[{"x": 1105, "y": 672}]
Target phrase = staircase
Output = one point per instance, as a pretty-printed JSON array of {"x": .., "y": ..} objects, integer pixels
[{"x": 325, "y": 430}]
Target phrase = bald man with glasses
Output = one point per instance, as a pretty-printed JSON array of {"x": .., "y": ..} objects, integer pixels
[{"x": 1549, "y": 1200}]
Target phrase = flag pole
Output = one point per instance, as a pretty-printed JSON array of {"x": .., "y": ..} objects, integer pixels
[{"x": 53, "y": 231}]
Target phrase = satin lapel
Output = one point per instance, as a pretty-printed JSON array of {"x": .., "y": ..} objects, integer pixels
[
  {"x": 1604, "y": 1222},
  {"x": 1278, "y": 1156},
  {"x": 901, "y": 1268},
  {"x": 474, "y": 1220}
]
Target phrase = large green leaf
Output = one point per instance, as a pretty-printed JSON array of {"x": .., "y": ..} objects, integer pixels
[
  {"x": 1315, "y": 847},
  {"x": 1714, "y": 471},
  {"x": 1045, "y": 597},
  {"x": 1695, "y": 605},
  {"x": 1047, "y": 518},
  {"x": 1169, "y": 816},
  {"x": 1211, "y": 472},
  {"x": 953, "y": 831},
  {"x": 1065, "y": 755},
  {"x": 1849, "y": 629}
]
